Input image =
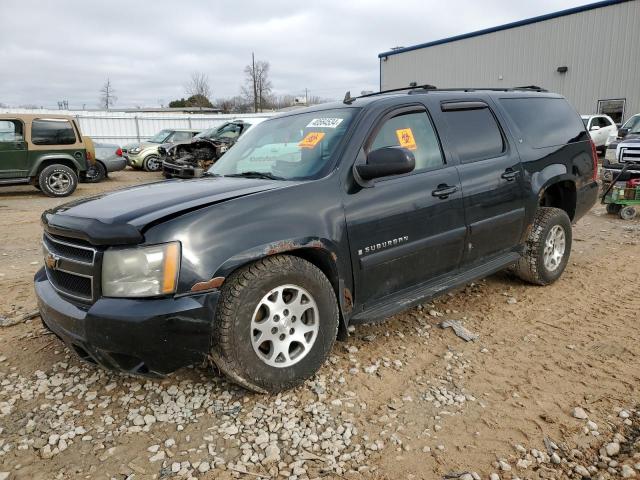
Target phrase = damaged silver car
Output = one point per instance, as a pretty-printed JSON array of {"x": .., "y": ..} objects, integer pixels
[{"x": 191, "y": 159}]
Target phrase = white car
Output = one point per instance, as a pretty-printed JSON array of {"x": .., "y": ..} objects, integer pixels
[{"x": 600, "y": 127}]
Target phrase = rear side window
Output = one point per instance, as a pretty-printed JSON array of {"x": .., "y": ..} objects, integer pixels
[
  {"x": 415, "y": 132},
  {"x": 475, "y": 133},
  {"x": 52, "y": 132},
  {"x": 11, "y": 131},
  {"x": 545, "y": 122}
]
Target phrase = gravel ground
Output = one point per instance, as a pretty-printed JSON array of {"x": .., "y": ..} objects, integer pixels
[{"x": 548, "y": 390}]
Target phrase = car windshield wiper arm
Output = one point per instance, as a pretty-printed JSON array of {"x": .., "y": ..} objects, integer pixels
[{"x": 253, "y": 174}]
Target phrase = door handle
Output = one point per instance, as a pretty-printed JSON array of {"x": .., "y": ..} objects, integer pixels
[
  {"x": 509, "y": 174},
  {"x": 443, "y": 191}
]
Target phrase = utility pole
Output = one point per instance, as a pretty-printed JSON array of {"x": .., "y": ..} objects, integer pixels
[
  {"x": 306, "y": 97},
  {"x": 255, "y": 84}
]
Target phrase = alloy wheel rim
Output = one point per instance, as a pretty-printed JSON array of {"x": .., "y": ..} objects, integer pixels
[
  {"x": 284, "y": 326},
  {"x": 554, "y": 248},
  {"x": 59, "y": 182},
  {"x": 152, "y": 164}
]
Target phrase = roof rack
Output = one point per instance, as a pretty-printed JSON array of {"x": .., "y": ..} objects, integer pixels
[
  {"x": 348, "y": 99},
  {"x": 413, "y": 89}
]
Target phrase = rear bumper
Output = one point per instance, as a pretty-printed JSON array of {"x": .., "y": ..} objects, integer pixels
[
  {"x": 139, "y": 336},
  {"x": 586, "y": 197},
  {"x": 115, "y": 165}
]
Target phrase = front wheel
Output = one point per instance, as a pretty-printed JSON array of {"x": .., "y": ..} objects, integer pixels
[
  {"x": 57, "y": 181},
  {"x": 276, "y": 323},
  {"x": 152, "y": 163},
  {"x": 547, "y": 250}
]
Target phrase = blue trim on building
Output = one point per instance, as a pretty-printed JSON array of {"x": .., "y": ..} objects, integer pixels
[{"x": 507, "y": 26}]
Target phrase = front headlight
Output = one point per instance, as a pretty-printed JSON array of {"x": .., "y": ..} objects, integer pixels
[
  {"x": 610, "y": 139},
  {"x": 141, "y": 271},
  {"x": 610, "y": 154},
  {"x": 135, "y": 150}
]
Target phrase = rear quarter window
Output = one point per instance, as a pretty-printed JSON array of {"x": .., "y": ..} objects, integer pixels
[
  {"x": 52, "y": 132},
  {"x": 545, "y": 122}
]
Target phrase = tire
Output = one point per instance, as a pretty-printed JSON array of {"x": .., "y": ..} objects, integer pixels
[
  {"x": 541, "y": 262},
  {"x": 613, "y": 209},
  {"x": 57, "y": 181},
  {"x": 96, "y": 173},
  {"x": 249, "y": 358},
  {"x": 152, "y": 163},
  {"x": 628, "y": 213}
]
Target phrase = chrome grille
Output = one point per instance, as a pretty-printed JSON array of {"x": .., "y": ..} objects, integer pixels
[
  {"x": 630, "y": 154},
  {"x": 71, "y": 267}
]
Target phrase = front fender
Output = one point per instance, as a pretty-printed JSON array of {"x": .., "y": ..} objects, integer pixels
[{"x": 274, "y": 248}]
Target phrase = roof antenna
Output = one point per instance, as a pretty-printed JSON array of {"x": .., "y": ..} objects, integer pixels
[{"x": 348, "y": 99}]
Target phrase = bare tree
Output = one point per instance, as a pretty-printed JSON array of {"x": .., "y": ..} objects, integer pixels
[
  {"x": 107, "y": 95},
  {"x": 199, "y": 89},
  {"x": 257, "y": 86}
]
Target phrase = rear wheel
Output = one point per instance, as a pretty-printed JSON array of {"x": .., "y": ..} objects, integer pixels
[
  {"x": 628, "y": 213},
  {"x": 152, "y": 163},
  {"x": 276, "y": 323},
  {"x": 547, "y": 250},
  {"x": 57, "y": 181},
  {"x": 95, "y": 173}
]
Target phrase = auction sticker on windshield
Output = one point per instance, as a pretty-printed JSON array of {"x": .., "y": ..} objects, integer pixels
[
  {"x": 311, "y": 140},
  {"x": 406, "y": 139},
  {"x": 325, "y": 122}
]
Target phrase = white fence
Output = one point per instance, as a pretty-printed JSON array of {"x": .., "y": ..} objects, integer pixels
[{"x": 126, "y": 127}]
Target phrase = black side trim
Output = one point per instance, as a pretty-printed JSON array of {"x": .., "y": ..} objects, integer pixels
[
  {"x": 406, "y": 249},
  {"x": 408, "y": 298},
  {"x": 492, "y": 223}
]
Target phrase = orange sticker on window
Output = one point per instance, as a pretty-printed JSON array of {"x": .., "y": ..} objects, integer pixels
[
  {"x": 405, "y": 137},
  {"x": 311, "y": 140}
]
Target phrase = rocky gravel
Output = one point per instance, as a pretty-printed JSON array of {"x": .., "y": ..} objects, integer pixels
[{"x": 547, "y": 389}]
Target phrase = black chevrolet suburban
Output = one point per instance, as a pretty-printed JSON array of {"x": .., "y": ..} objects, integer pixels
[{"x": 317, "y": 219}]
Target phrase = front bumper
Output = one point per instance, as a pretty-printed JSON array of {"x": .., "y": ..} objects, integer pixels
[
  {"x": 134, "y": 160},
  {"x": 139, "y": 336},
  {"x": 181, "y": 171}
]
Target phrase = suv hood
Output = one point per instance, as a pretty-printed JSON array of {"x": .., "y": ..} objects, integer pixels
[{"x": 120, "y": 217}]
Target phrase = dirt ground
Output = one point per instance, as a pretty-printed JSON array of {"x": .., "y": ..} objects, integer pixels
[{"x": 423, "y": 402}]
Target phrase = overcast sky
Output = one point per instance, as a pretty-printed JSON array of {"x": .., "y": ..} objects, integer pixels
[{"x": 66, "y": 49}]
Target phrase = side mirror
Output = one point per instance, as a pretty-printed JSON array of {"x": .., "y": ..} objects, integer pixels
[
  {"x": 594, "y": 128},
  {"x": 386, "y": 161},
  {"x": 623, "y": 132}
]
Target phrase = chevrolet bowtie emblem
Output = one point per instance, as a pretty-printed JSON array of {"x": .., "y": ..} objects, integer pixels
[{"x": 51, "y": 261}]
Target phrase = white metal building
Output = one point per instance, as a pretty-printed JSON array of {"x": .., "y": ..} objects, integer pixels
[{"x": 590, "y": 54}]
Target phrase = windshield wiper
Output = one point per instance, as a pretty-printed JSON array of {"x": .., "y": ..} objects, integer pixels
[
  {"x": 210, "y": 174},
  {"x": 254, "y": 174}
]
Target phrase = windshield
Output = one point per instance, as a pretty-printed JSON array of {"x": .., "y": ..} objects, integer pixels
[
  {"x": 160, "y": 137},
  {"x": 633, "y": 124},
  {"x": 292, "y": 147},
  {"x": 228, "y": 130}
]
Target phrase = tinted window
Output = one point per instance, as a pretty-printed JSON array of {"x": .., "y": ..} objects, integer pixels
[
  {"x": 11, "y": 131},
  {"x": 475, "y": 133},
  {"x": 415, "y": 132},
  {"x": 545, "y": 122},
  {"x": 52, "y": 132}
]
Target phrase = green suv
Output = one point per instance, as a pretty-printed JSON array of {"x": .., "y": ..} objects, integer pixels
[
  {"x": 46, "y": 151},
  {"x": 145, "y": 154}
]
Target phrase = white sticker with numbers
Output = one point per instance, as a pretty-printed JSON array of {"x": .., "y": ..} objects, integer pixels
[{"x": 325, "y": 122}]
